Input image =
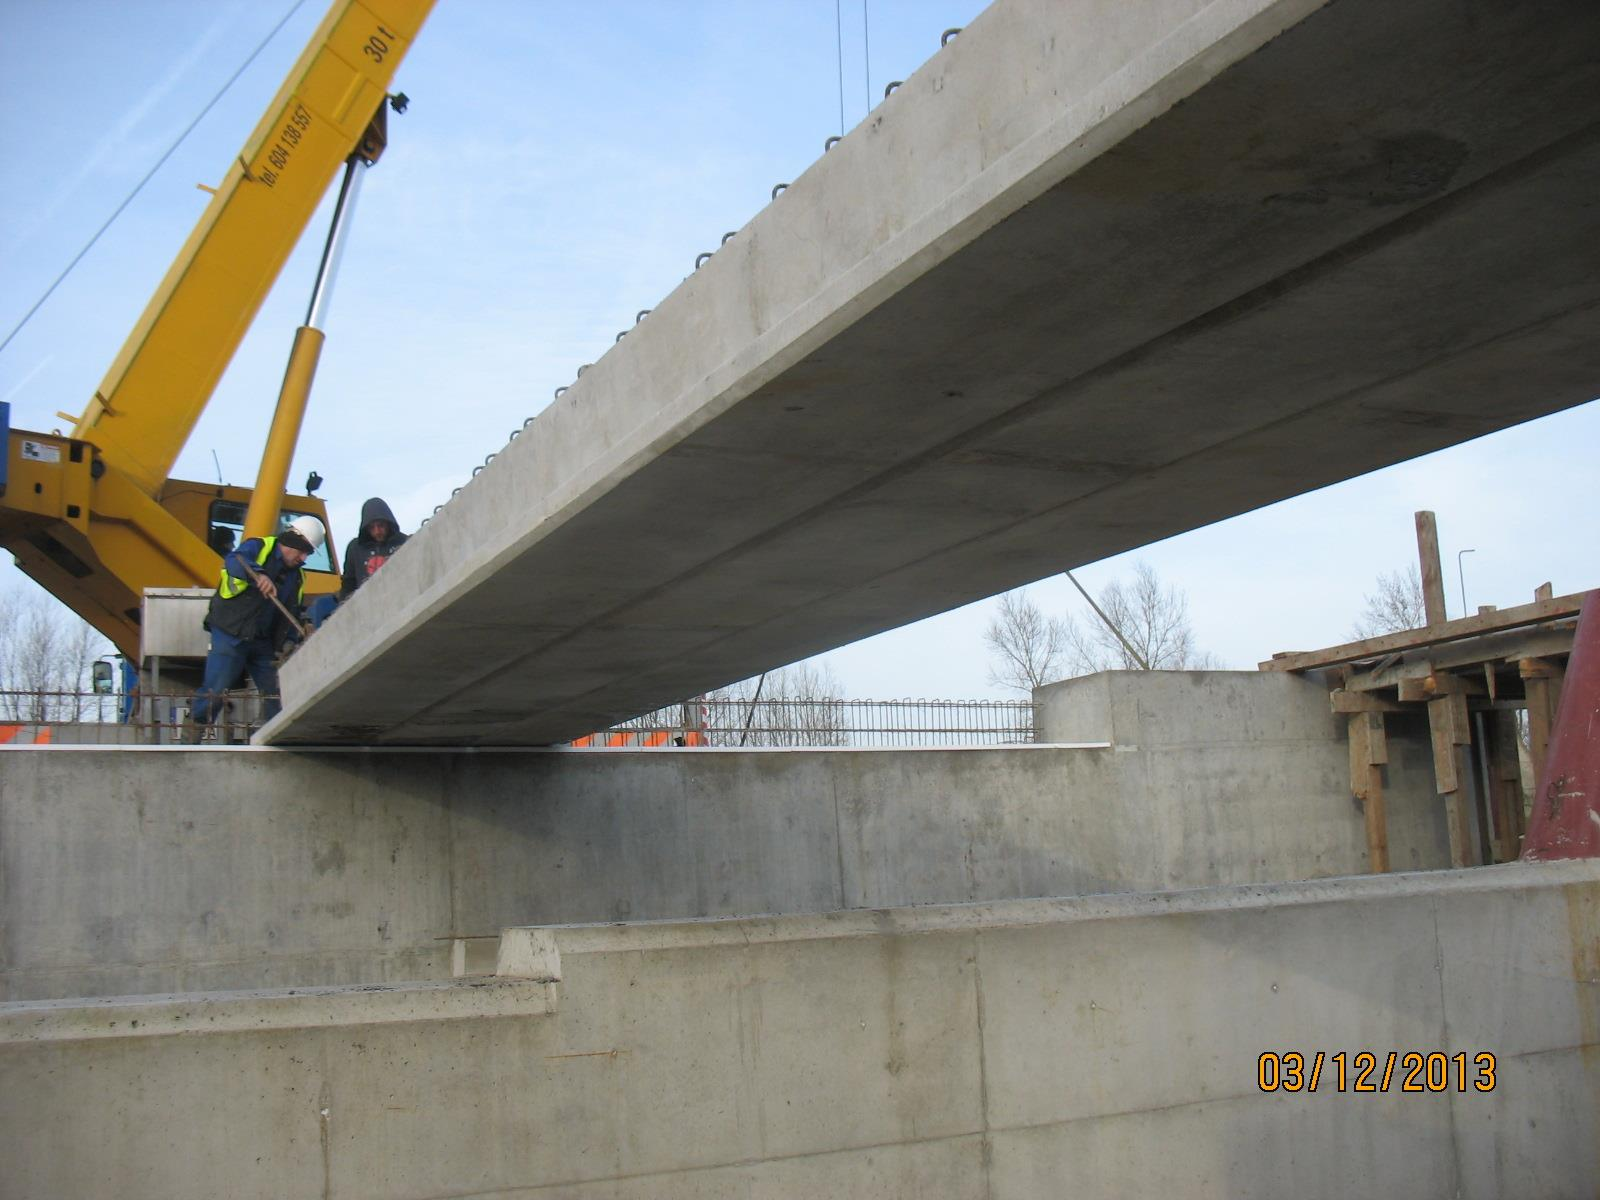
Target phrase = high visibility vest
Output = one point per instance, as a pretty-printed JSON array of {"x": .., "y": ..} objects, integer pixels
[{"x": 229, "y": 587}]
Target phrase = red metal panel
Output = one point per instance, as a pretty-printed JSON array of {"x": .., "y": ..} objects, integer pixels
[{"x": 1565, "y": 822}]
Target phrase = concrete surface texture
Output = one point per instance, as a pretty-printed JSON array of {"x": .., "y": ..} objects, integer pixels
[
  {"x": 159, "y": 870},
  {"x": 1100, "y": 1047},
  {"x": 259, "y": 1010},
  {"x": 1097, "y": 273},
  {"x": 1245, "y": 771}
]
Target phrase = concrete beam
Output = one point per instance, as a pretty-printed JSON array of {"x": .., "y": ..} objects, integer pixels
[{"x": 1097, "y": 274}]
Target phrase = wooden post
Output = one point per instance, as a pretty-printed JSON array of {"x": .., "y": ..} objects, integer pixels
[
  {"x": 1450, "y": 724},
  {"x": 1541, "y": 681},
  {"x": 1505, "y": 782},
  {"x": 1432, "y": 573},
  {"x": 1369, "y": 750},
  {"x": 1542, "y": 698},
  {"x": 1450, "y": 728}
]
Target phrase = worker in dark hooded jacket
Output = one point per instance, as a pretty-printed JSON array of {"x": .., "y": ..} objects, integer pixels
[{"x": 380, "y": 537}]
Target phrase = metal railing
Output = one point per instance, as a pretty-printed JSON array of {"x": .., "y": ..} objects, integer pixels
[
  {"x": 854, "y": 723},
  {"x": 138, "y": 718},
  {"x": 143, "y": 718}
]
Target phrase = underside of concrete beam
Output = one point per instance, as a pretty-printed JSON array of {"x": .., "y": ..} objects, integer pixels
[{"x": 1097, "y": 274}]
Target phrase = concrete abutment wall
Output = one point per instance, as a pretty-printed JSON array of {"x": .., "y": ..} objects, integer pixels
[
  {"x": 851, "y": 1046},
  {"x": 167, "y": 869},
  {"x": 1100, "y": 1046}
]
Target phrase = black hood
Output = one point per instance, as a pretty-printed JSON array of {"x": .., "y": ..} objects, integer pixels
[{"x": 376, "y": 510}]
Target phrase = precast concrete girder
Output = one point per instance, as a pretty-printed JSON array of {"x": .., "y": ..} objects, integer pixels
[{"x": 1097, "y": 274}]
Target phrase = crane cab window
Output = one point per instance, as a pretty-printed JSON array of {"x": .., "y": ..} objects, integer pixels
[{"x": 226, "y": 530}]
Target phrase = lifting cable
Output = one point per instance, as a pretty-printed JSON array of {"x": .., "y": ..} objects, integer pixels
[
  {"x": 37, "y": 304},
  {"x": 751, "y": 715},
  {"x": 838, "y": 34},
  {"x": 866, "y": 53}
]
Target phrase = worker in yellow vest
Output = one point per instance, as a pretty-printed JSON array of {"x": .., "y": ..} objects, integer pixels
[{"x": 247, "y": 626}]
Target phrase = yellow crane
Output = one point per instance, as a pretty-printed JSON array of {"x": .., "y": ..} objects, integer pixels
[{"x": 93, "y": 516}]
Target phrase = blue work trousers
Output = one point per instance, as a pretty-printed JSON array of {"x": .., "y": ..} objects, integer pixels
[
  {"x": 226, "y": 665},
  {"x": 321, "y": 608}
]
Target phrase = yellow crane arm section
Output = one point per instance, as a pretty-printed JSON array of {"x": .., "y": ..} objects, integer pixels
[{"x": 150, "y": 400}]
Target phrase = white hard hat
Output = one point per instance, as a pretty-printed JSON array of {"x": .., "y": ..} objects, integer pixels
[{"x": 311, "y": 529}]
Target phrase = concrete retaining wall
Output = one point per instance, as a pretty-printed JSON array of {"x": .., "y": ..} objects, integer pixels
[
  {"x": 170, "y": 869},
  {"x": 1243, "y": 771},
  {"x": 1097, "y": 1047}
]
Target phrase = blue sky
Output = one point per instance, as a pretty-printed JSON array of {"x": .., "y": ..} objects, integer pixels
[{"x": 560, "y": 167}]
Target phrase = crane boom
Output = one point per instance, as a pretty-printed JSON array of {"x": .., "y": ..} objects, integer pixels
[
  {"x": 159, "y": 384},
  {"x": 93, "y": 517}
]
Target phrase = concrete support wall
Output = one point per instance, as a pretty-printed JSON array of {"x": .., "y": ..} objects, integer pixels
[
  {"x": 1097, "y": 1047},
  {"x": 169, "y": 869},
  {"x": 1245, "y": 772}
]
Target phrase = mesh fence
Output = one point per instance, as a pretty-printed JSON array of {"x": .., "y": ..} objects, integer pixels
[
  {"x": 856, "y": 723},
  {"x": 42, "y": 718},
  {"x": 90, "y": 717}
]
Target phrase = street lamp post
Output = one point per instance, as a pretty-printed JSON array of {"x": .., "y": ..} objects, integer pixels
[{"x": 1461, "y": 575}]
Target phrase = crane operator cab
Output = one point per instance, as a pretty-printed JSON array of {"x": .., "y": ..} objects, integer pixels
[{"x": 225, "y": 519}]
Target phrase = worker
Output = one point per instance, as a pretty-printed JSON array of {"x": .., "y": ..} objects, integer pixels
[
  {"x": 378, "y": 538},
  {"x": 247, "y": 626}
]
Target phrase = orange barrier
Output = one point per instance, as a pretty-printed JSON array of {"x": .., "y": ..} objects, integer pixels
[
  {"x": 8, "y": 733},
  {"x": 647, "y": 738}
]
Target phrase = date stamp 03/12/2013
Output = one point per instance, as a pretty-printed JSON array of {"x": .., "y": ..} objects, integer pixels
[{"x": 1370, "y": 1071}]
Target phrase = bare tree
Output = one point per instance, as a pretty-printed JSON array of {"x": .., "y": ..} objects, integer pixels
[
  {"x": 1026, "y": 646},
  {"x": 1154, "y": 619},
  {"x": 45, "y": 659},
  {"x": 1395, "y": 604},
  {"x": 795, "y": 705}
]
